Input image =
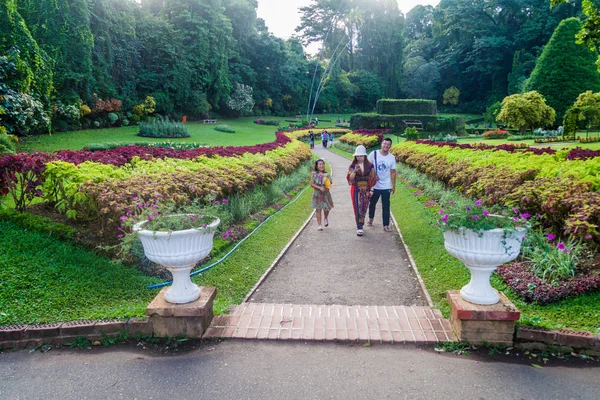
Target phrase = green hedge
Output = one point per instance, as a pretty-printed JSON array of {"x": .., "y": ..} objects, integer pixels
[
  {"x": 406, "y": 107},
  {"x": 394, "y": 122},
  {"x": 224, "y": 128},
  {"x": 37, "y": 223}
]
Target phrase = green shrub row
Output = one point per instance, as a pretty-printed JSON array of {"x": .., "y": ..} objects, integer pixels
[
  {"x": 224, "y": 128},
  {"x": 406, "y": 107},
  {"x": 160, "y": 128}
]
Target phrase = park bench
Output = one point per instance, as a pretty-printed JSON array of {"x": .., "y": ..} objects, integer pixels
[
  {"x": 209, "y": 121},
  {"x": 416, "y": 123}
]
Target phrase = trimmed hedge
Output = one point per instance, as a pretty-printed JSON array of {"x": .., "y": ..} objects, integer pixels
[
  {"x": 406, "y": 107},
  {"x": 394, "y": 122}
]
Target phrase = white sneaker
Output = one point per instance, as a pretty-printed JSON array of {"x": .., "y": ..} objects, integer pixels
[
  {"x": 359, "y": 232},
  {"x": 319, "y": 228},
  {"x": 326, "y": 223}
]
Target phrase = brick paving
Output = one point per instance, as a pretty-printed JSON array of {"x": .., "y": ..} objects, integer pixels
[{"x": 375, "y": 324}]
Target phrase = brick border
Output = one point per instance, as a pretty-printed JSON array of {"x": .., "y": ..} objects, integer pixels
[
  {"x": 34, "y": 335},
  {"x": 560, "y": 337}
]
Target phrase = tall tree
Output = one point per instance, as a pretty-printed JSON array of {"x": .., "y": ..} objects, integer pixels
[
  {"x": 62, "y": 30},
  {"x": 565, "y": 69}
]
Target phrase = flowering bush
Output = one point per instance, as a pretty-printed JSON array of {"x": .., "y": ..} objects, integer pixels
[
  {"x": 161, "y": 216},
  {"x": 495, "y": 134},
  {"x": 551, "y": 259},
  {"x": 357, "y": 139},
  {"x": 476, "y": 217}
]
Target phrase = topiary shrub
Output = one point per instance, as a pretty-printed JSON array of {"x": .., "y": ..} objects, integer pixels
[
  {"x": 113, "y": 118},
  {"x": 225, "y": 128},
  {"x": 411, "y": 133},
  {"x": 160, "y": 128}
]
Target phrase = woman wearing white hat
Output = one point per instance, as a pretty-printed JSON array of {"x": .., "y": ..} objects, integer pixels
[{"x": 361, "y": 178}]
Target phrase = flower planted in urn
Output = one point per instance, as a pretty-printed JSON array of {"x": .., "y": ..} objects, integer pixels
[
  {"x": 482, "y": 238},
  {"x": 175, "y": 237}
]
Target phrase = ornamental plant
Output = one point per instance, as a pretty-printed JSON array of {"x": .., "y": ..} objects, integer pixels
[
  {"x": 162, "y": 216},
  {"x": 551, "y": 259},
  {"x": 475, "y": 216}
]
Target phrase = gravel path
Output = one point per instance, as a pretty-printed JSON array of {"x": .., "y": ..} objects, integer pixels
[{"x": 335, "y": 266}]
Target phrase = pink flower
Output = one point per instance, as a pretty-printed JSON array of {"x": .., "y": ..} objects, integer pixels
[
  {"x": 440, "y": 211},
  {"x": 475, "y": 217},
  {"x": 451, "y": 203},
  {"x": 468, "y": 208},
  {"x": 217, "y": 202},
  {"x": 124, "y": 218},
  {"x": 587, "y": 236},
  {"x": 445, "y": 218},
  {"x": 225, "y": 201},
  {"x": 525, "y": 215},
  {"x": 486, "y": 213},
  {"x": 551, "y": 237},
  {"x": 561, "y": 246},
  {"x": 478, "y": 202},
  {"x": 516, "y": 210},
  {"x": 192, "y": 219}
]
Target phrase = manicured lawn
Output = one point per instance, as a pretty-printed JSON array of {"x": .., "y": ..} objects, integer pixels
[
  {"x": 247, "y": 133},
  {"x": 46, "y": 280}
]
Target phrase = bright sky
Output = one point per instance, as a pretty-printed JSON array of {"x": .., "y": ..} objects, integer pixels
[{"x": 282, "y": 16}]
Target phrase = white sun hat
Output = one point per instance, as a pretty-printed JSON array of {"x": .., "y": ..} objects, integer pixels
[{"x": 360, "y": 151}]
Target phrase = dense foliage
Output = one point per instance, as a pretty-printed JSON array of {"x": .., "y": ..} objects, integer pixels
[
  {"x": 564, "y": 69},
  {"x": 69, "y": 63}
]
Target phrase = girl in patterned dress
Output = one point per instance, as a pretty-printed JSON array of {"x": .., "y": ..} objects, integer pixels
[
  {"x": 321, "y": 198},
  {"x": 361, "y": 178}
]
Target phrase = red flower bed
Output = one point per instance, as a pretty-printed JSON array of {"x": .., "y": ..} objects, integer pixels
[
  {"x": 527, "y": 285},
  {"x": 511, "y": 148}
]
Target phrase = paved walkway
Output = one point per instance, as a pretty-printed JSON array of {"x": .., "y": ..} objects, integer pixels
[{"x": 334, "y": 285}]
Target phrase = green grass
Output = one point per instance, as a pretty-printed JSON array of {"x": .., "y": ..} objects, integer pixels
[
  {"x": 441, "y": 272},
  {"x": 247, "y": 133},
  {"x": 43, "y": 280}
]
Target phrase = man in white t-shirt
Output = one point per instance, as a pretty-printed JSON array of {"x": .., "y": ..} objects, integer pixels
[{"x": 385, "y": 166}]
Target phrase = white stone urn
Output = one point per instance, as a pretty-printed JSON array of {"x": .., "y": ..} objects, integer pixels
[
  {"x": 482, "y": 252},
  {"x": 179, "y": 252}
]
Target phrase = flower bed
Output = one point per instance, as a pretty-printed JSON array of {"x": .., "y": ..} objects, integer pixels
[
  {"x": 562, "y": 192},
  {"x": 302, "y": 133},
  {"x": 526, "y": 284},
  {"x": 73, "y": 179}
]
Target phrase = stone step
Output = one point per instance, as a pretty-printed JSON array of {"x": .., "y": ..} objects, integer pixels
[{"x": 378, "y": 324}]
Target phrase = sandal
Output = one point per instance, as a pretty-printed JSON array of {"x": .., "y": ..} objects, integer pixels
[
  {"x": 387, "y": 228},
  {"x": 359, "y": 232},
  {"x": 370, "y": 222}
]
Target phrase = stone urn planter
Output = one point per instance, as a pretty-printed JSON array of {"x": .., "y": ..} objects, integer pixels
[
  {"x": 179, "y": 252},
  {"x": 482, "y": 252}
]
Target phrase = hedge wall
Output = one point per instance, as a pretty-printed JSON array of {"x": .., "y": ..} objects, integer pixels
[
  {"x": 406, "y": 107},
  {"x": 394, "y": 122}
]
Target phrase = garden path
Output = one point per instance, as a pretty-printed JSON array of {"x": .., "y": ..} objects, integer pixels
[{"x": 335, "y": 285}]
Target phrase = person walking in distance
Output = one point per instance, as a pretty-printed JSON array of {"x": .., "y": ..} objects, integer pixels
[
  {"x": 321, "y": 198},
  {"x": 324, "y": 139},
  {"x": 361, "y": 177},
  {"x": 385, "y": 185}
]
